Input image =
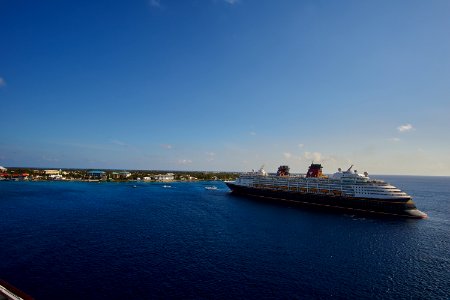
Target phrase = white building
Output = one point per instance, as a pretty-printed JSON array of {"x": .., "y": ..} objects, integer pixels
[
  {"x": 167, "y": 177},
  {"x": 120, "y": 175},
  {"x": 56, "y": 177},
  {"x": 52, "y": 172}
]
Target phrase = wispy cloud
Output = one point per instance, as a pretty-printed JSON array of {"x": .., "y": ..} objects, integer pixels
[
  {"x": 232, "y": 2},
  {"x": 166, "y": 146},
  {"x": 87, "y": 146},
  {"x": 311, "y": 156},
  {"x": 301, "y": 145},
  {"x": 287, "y": 155},
  {"x": 2, "y": 82},
  {"x": 291, "y": 157},
  {"x": 315, "y": 156},
  {"x": 50, "y": 159},
  {"x": 184, "y": 161},
  {"x": 118, "y": 143},
  {"x": 405, "y": 128},
  {"x": 155, "y": 3},
  {"x": 107, "y": 145},
  {"x": 396, "y": 140},
  {"x": 252, "y": 133},
  {"x": 210, "y": 156}
]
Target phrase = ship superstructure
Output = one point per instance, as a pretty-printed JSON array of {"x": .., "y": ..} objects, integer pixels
[{"x": 344, "y": 189}]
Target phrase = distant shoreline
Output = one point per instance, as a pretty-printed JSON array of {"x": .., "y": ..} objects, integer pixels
[{"x": 111, "y": 175}]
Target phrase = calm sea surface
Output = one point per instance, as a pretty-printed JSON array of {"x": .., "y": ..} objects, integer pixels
[{"x": 73, "y": 240}]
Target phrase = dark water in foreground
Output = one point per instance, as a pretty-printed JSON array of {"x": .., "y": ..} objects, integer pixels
[{"x": 70, "y": 240}]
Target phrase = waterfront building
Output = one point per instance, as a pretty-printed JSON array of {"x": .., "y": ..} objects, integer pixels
[
  {"x": 166, "y": 177},
  {"x": 120, "y": 175},
  {"x": 95, "y": 174},
  {"x": 3, "y": 174},
  {"x": 56, "y": 177},
  {"x": 52, "y": 172},
  {"x": 19, "y": 176},
  {"x": 188, "y": 177}
]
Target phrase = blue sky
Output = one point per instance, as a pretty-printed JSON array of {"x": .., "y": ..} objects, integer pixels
[{"x": 226, "y": 85}]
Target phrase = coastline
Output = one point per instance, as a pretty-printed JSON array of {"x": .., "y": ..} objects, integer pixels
[{"x": 89, "y": 175}]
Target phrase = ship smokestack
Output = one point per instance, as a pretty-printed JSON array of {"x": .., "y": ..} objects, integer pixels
[
  {"x": 315, "y": 170},
  {"x": 283, "y": 171}
]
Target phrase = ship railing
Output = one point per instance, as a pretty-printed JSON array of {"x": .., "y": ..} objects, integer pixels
[
  {"x": 377, "y": 181},
  {"x": 313, "y": 188},
  {"x": 329, "y": 186}
]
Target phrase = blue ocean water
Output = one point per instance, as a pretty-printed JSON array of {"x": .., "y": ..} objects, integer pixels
[{"x": 78, "y": 240}]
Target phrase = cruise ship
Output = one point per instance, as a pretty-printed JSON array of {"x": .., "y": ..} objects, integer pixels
[{"x": 344, "y": 190}]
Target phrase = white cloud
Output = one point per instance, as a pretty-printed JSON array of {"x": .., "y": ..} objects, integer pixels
[
  {"x": 315, "y": 156},
  {"x": 301, "y": 145},
  {"x": 394, "y": 140},
  {"x": 166, "y": 146},
  {"x": 50, "y": 159},
  {"x": 252, "y": 133},
  {"x": 155, "y": 3},
  {"x": 287, "y": 155},
  {"x": 104, "y": 147},
  {"x": 210, "y": 156},
  {"x": 117, "y": 142},
  {"x": 405, "y": 128},
  {"x": 2, "y": 82},
  {"x": 184, "y": 161},
  {"x": 232, "y": 2}
]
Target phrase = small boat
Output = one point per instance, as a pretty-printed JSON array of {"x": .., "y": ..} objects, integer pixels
[
  {"x": 167, "y": 186},
  {"x": 211, "y": 187}
]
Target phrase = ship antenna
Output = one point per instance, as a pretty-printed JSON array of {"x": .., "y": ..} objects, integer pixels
[{"x": 350, "y": 168}]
